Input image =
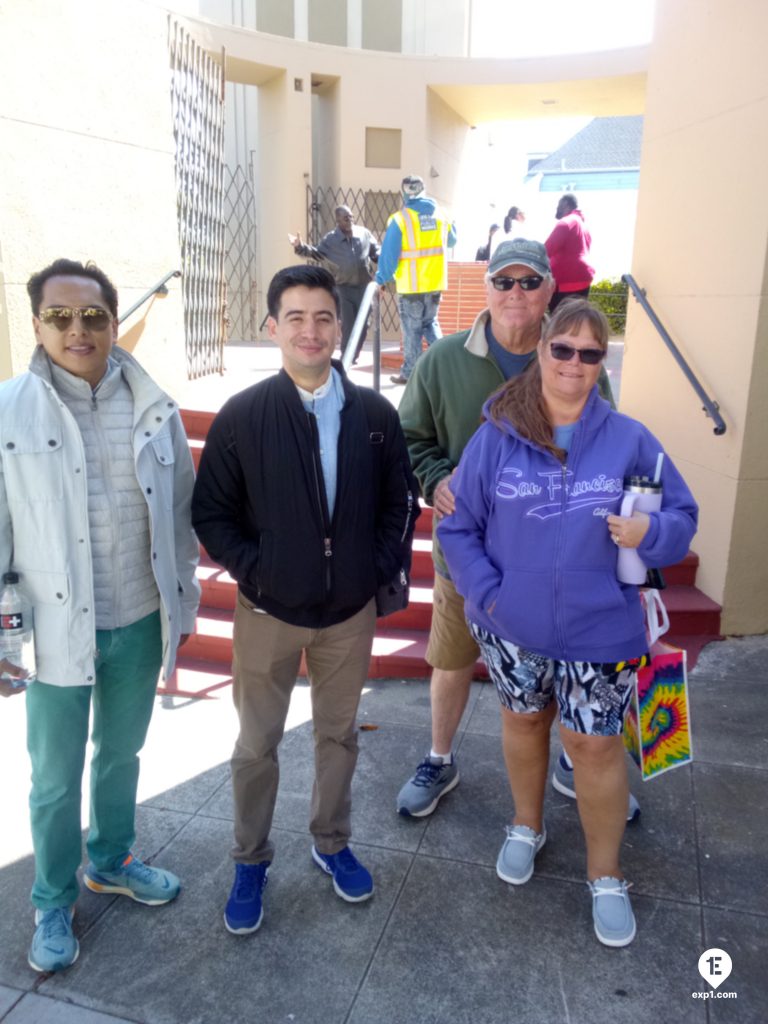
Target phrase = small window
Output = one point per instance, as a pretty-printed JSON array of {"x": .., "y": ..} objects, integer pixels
[{"x": 382, "y": 147}]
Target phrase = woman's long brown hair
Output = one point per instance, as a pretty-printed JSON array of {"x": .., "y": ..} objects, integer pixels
[{"x": 520, "y": 401}]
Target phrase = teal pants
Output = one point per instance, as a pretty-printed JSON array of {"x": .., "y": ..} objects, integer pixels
[{"x": 127, "y": 669}]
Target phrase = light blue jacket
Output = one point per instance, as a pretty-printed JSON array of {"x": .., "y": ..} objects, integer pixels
[{"x": 44, "y": 532}]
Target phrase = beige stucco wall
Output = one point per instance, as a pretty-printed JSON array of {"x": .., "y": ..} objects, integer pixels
[
  {"x": 700, "y": 253},
  {"x": 87, "y": 162}
]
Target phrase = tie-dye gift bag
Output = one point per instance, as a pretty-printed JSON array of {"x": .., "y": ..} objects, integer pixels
[{"x": 657, "y": 728}]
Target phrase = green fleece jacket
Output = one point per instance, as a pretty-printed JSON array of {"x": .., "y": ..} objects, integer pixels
[{"x": 442, "y": 407}]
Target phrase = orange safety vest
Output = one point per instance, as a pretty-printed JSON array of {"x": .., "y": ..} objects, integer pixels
[{"x": 423, "y": 266}]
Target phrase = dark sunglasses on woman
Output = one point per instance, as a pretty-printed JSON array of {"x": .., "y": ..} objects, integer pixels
[{"x": 589, "y": 356}]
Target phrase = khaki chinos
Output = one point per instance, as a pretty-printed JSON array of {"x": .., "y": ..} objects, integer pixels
[{"x": 267, "y": 655}]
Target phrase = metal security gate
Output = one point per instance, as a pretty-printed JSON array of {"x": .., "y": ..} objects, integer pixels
[
  {"x": 372, "y": 210},
  {"x": 240, "y": 254},
  {"x": 197, "y": 100}
]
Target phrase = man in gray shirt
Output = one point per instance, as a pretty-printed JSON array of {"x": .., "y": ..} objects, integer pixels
[{"x": 349, "y": 250}]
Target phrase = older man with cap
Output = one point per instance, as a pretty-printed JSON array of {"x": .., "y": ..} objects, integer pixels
[
  {"x": 414, "y": 253},
  {"x": 440, "y": 411}
]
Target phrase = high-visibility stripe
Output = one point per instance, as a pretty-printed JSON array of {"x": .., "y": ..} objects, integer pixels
[
  {"x": 410, "y": 226},
  {"x": 412, "y": 254}
]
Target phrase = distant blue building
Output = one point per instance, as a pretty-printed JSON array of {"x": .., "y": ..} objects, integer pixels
[{"x": 601, "y": 157}]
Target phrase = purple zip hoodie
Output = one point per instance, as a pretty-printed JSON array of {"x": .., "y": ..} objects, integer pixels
[{"x": 528, "y": 546}]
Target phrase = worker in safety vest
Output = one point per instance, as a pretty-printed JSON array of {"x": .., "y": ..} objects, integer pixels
[{"x": 414, "y": 253}]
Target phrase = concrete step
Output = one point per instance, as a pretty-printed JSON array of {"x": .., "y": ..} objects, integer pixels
[
  {"x": 683, "y": 574},
  {"x": 401, "y": 638},
  {"x": 397, "y": 654},
  {"x": 690, "y": 610},
  {"x": 196, "y": 422}
]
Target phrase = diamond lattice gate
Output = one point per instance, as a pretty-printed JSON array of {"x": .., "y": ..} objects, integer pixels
[
  {"x": 372, "y": 210},
  {"x": 240, "y": 255},
  {"x": 197, "y": 99}
]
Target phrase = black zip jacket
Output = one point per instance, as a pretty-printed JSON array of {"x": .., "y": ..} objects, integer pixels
[{"x": 260, "y": 510}]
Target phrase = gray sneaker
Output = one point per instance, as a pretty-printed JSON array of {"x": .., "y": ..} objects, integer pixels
[
  {"x": 516, "y": 857},
  {"x": 422, "y": 792},
  {"x": 612, "y": 912},
  {"x": 562, "y": 781}
]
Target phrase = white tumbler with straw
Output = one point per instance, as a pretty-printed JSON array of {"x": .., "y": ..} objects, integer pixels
[{"x": 643, "y": 495}]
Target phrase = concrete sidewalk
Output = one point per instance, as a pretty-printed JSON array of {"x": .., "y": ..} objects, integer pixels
[{"x": 443, "y": 941}]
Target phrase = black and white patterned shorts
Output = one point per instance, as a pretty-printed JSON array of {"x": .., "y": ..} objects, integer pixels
[{"x": 592, "y": 697}]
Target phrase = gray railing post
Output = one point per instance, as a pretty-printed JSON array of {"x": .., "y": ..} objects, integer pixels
[
  {"x": 370, "y": 303},
  {"x": 376, "y": 325}
]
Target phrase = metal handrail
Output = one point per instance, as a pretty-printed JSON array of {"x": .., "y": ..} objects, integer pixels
[
  {"x": 158, "y": 289},
  {"x": 711, "y": 408},
  {"x": 371, "y": 301}
]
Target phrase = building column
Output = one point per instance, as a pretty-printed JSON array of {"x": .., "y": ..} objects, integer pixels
[{"x": 700, "y": 254}]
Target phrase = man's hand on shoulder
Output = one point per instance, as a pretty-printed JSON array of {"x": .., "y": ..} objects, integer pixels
[{"x": 444, "y": 502}]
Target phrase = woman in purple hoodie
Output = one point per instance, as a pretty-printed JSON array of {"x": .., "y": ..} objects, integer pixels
[{"x": 532, "y": 547}]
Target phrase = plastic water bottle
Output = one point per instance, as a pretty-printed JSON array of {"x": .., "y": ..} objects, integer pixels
[{"x": 17, "y": 637}]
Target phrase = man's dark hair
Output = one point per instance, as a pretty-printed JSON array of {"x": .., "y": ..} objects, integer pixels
[
  {"x": 308, "y": 276},
  {"x": 570, "y": 198},
  {"x": 71, "y": 268}
]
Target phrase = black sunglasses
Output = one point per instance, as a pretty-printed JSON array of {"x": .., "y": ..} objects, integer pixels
[
  {"x": 588, "y": 356},
  {"x": 528, "y": 284},
  {"x": 93, "y": 318}
]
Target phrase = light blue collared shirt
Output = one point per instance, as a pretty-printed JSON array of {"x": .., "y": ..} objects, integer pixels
[{"x": 326, "y": 404}]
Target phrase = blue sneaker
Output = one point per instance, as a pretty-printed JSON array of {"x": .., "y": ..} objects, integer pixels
[
  {"x": 54, "y": 945},
  {"x": 351, "y": 880},
  {"x": 133, "y": 878},
  {"x": 562, "y": 781},
  {"x": 612, "y": 912},
  {"x": 244, "y": 911},
  {"x": 426, "y": 787}
]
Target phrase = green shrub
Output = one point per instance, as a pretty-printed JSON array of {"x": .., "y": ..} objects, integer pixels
[{"x": 611, "y": 297}]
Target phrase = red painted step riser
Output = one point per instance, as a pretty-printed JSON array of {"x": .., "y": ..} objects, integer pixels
[
  {"x": 219, "y": 649},
  {"x": 681, "y": 575}
]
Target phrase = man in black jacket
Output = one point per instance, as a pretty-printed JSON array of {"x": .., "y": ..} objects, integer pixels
[{"x": 305, "y": 496}]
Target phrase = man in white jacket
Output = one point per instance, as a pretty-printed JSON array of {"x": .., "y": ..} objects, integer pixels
[{"x": 95, "y": 488}]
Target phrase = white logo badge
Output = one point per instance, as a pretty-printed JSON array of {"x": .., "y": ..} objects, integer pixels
[{"x": 714, "y": 966}]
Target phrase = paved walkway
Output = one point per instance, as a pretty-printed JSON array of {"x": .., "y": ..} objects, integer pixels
[{"x": 443, "y": 941}]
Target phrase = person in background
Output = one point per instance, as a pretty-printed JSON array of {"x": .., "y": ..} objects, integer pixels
[
  {"x": 95, "y": 489},
  {"x": 513, "y": 228},
  {"x": 306, "y": 497},
  {"x": 415, "y": 253},
  {"x": 531, "y": 546},
  {"x": 349, "y": 249},
  {"x": 568, "y": 248},
  {"x": 483, "y": 253}
]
